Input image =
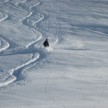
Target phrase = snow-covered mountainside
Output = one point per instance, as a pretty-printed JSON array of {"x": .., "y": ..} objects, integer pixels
[{"x": 72, "y": 72}]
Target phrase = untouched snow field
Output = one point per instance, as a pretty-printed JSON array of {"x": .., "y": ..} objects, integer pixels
[{"x": 72, "y": 72}]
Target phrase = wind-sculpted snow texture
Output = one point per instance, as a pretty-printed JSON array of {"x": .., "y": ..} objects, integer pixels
[{"x": 72, "y": 72}]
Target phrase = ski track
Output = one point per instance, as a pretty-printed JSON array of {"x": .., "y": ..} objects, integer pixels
[
  {"x": 9, "y": 77},
  {"x": 4, "y": 17},
  {"x": 4, "y": 45},
  {"x": 21, "y": 2},
  {"x": 12, "y": 75}
]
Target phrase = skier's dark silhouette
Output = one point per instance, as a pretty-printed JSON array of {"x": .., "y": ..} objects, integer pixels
[{"x": 46, "y": 43}]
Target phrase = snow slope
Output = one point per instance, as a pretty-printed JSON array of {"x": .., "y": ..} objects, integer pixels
[{"x": 72, "y": 72}]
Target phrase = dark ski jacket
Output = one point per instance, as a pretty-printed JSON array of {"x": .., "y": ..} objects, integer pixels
[{"x": 46, "y": 43}]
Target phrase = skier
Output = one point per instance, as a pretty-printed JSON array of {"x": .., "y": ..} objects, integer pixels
[{"x": 46, "y": 43}]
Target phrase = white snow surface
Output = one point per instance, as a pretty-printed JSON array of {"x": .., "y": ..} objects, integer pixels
[{"x": 72, "y": 72}]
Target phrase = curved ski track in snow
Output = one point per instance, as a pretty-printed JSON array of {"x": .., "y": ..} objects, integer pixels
[
  {"x": 3, "y": 45},
  {"x": 12, "y": 75},
  {"x": 3, "y": 16},
  {"x": 9, "y": 77}
]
